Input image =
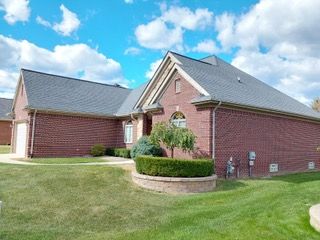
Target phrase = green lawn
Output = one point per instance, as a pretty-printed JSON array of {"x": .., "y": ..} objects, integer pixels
[
  {"x": 100, "y": 202},
  {"x": 67, "y": 160},
  {"x": 4, "y": 149}
]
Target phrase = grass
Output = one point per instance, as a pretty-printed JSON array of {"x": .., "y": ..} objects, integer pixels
[
  {"x": 4, "y": 149},
  {"x": 67, "y": 160},
  {"x": 100, "y": 202}
]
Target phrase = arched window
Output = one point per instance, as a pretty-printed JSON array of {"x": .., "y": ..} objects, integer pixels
[
  {"x": 179, "y": 119},
  {"x": 128, "y": 132}
]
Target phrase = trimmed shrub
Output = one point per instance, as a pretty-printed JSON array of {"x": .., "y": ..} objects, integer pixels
[
  {"x": 118, "y": 152},
  {"x": 97, "y": 150},
  {"x": 110, "y": 151},
  {"x": 145, "y": 147},
  {"x": 171, "y": 167}
]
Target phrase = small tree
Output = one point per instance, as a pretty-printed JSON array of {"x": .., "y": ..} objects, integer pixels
[
  {"x": 172, "y": 137},
  {"x": 316, "y": 104}
]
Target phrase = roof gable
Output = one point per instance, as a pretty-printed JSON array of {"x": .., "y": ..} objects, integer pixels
[{"x": 169, "y": 65}]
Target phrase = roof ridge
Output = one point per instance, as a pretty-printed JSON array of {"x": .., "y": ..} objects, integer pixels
[
  {"x": 194, "y": 59},
  {"x": 211, "y": 55},
  {"x": 75, "y": 79}
]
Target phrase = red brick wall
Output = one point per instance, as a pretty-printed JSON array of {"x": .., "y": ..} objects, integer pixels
[
  {"x": 60, "y": 135},
  {"x": 20, "y": 103},
  {"x": 289, "y": 142},
  {"x": 21, "y": 115},
  {"x": 198, "y": 120},
  {"x": 5, "y": 132}
]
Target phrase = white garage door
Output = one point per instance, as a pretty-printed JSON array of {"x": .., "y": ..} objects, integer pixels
[{"x": 21, "y": 139}]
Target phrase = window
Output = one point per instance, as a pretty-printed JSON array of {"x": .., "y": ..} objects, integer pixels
[
  {"x": 178, "y": 86},
  {"x": 128, "y": 130},
  {"x": 179, "y": 120}
]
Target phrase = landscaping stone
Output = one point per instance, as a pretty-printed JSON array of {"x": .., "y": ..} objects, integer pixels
[
  {"x": 175, "y": 184},
  {"x": 315, "y": 217}
]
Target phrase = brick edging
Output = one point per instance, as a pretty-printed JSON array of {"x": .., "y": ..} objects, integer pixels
[{"x": 175, "y": 184}]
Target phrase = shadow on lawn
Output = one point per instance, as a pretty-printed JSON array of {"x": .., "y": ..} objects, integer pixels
[{"x": 298, "y": 177}]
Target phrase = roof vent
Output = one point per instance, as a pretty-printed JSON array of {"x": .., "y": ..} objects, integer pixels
[{"x": 239, "y": 79}]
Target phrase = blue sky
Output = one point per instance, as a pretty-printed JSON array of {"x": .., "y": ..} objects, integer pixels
[{"x": 124, "y": 40}]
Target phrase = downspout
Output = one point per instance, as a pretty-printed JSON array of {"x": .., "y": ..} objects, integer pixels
[
  {"x": 214, "y": 129},
  {"x": 33, "y": 130}
]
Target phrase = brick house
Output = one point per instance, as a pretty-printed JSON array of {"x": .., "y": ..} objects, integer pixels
[
  {"x": 230, "y": 112},
  {"x": 5, "y": 121}
]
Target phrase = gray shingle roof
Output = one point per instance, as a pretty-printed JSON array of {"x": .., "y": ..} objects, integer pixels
[
  {"x": 221, "y": 81},
  {"x": 5, "y": 108},
  {"x": 128, "y": 105},
  {"x": 57, "y": 93},
  {"x": 218, "y": 78}
]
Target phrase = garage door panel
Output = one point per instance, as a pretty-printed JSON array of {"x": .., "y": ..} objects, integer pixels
[{"x": 21, "y": 139}]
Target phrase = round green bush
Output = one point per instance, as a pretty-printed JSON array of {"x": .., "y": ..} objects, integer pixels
[
  {"x": 171, "y": 167},
  {"x": 98, "y": 150},
  {"x": 145, "y": 147}
]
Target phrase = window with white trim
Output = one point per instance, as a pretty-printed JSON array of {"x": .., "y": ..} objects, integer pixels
[
  {"x": 179, "y": 120},
  {"x": 178, "y": 85},
  {"x": 128, "y": 132}
]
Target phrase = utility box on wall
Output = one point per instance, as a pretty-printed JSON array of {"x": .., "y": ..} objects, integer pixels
[
  {"x": 311, "y": 165},
  {"x": 273, "y": 167},
  {"x": 252, "y": 155}
]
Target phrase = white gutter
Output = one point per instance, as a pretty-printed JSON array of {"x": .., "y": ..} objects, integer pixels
[
  {"x": 33, "y": 130},
  {"x": 214, "y": 129}
]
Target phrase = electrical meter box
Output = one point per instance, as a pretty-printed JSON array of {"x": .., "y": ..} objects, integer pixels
[
  {"x": 311, "y": 165},
  {"x": 251, "y": 156}
]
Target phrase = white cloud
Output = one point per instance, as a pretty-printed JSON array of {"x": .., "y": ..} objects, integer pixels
[
  {"x": 77, "y": 60},
  {"x": 128, "y": 1},
  {"x": 132, "y": 51},
  {"x": 278, "y": 42},
  {"x": 157, "y": 35},
  {"x": 153, "y": 67},
  {"x": 185, "y": 18},
  {"x": 224, "y": 24},
  {"x": 69, "y": 24},
  {"x": 166, "y": 31},
  {"x": 43, "y": 22},
  {"x": 15, "y": 10},
  {"x": 207, "y": 46}
]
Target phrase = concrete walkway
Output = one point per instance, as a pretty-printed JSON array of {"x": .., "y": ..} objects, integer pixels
[
  {"x": 14, "y": 159},
  {"x": 315, "y": 217}
]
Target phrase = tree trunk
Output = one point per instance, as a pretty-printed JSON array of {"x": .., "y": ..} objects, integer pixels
[{"x": 172, "y": 152}]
